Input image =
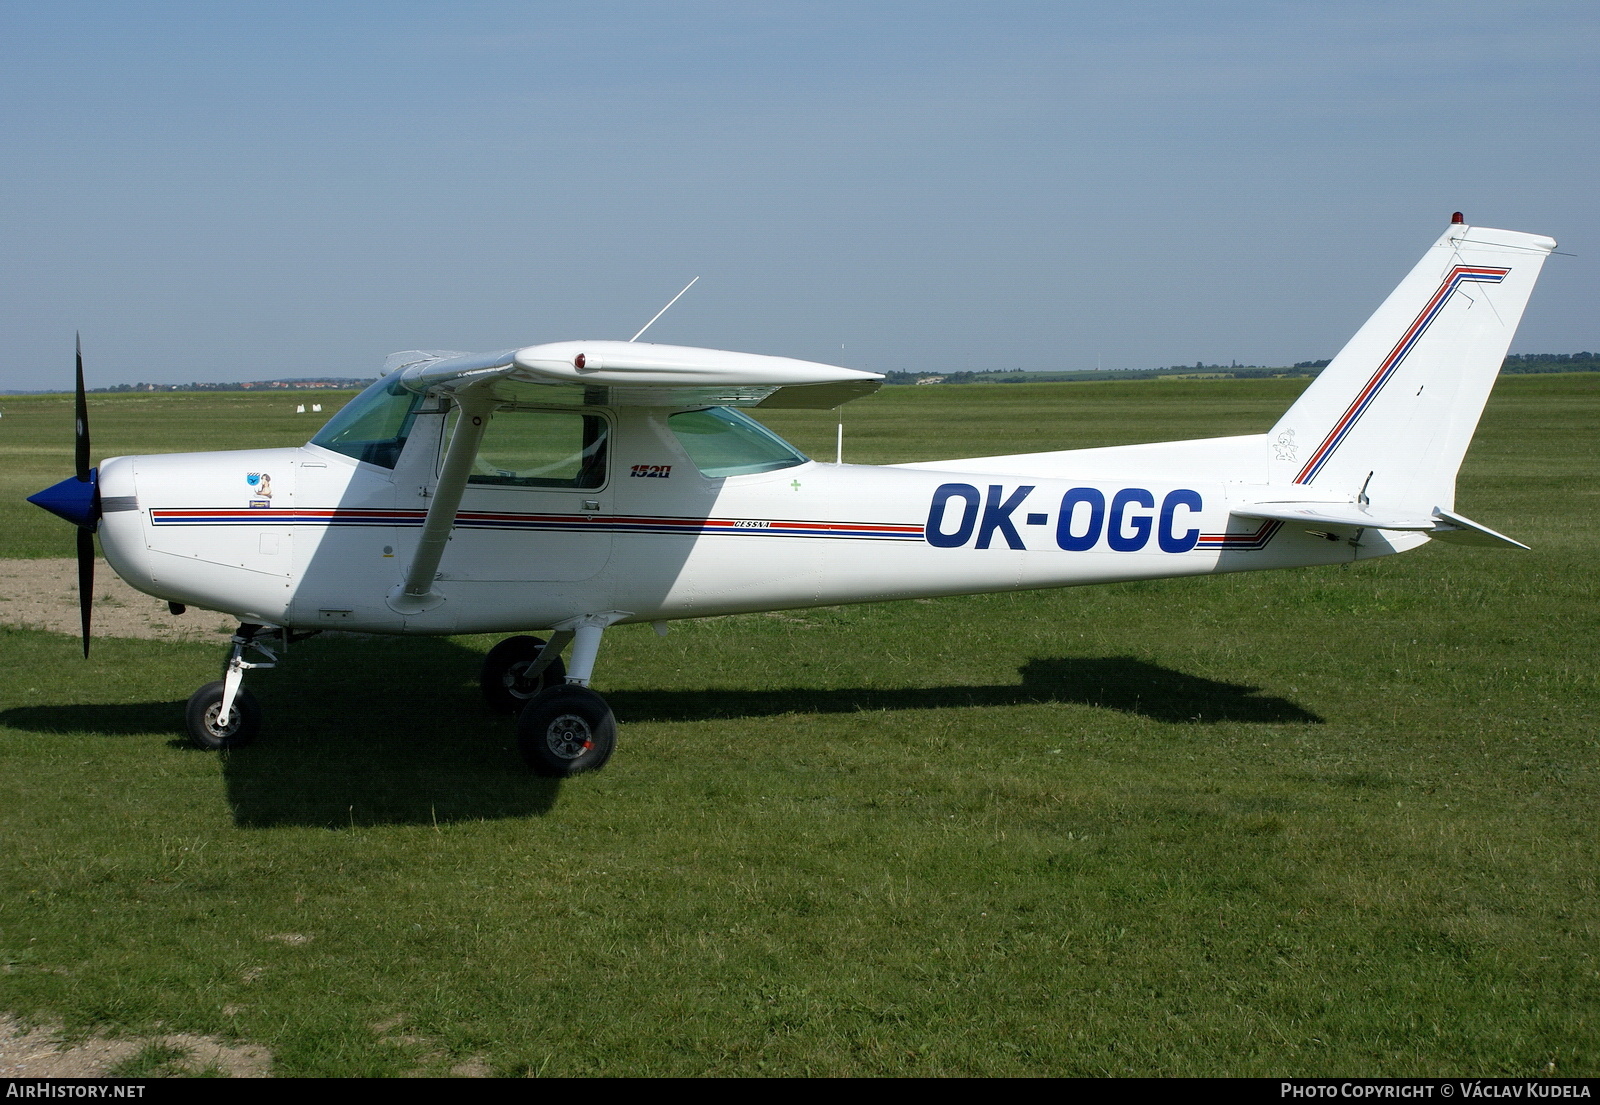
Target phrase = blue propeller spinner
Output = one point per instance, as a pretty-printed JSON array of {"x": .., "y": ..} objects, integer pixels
[{"x": 77, "y": 500}]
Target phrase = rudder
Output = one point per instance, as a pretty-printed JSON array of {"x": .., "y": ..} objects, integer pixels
[{"x": 1392, "y": 415}]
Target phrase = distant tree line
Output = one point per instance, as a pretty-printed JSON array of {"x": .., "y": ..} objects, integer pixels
[
  {"x": 319, "y": 383},
  {"x": 1551, "y": 362},
  {"x": 1516, "y": 364},
  {"x": 1188, "y": 372}
]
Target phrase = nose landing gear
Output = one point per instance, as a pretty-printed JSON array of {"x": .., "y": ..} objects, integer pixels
[{"x": 224, "y": 714}]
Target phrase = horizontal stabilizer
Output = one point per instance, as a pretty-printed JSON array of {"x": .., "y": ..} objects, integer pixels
[
  {"x": 1464, "y": 531},
  {"x": 1334, "y": 514},
  {"x": 1442, "y": 525}
]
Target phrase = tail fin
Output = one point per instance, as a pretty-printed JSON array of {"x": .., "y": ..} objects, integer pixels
[{"x": 1391, "y": 416}]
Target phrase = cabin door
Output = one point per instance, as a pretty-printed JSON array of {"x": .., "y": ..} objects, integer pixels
[{"x": 538, "y": 503}]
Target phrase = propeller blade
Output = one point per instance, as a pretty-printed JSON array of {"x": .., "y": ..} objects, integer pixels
[
  {"x": 85, "y": 475},
  {"x": 81, "y": 434},
  {"x": 85, "y": 583},
  {"x": 78, "y": 501}
]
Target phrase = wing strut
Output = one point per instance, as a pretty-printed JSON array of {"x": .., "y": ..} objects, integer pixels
[{"x": 416, "y": 594}]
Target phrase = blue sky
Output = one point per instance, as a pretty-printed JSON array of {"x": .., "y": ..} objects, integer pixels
[{"x": 237, "y": 191}]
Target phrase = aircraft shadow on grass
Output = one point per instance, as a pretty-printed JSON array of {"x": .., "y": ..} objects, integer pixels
[
  {"x": 1114, "y": 683},
  {"x": 396, "y": 736}
]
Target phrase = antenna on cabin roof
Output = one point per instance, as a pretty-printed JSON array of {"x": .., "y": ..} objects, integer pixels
[
  {"x": 838, "y": 453},
  {"x": 663, "y": 310}
]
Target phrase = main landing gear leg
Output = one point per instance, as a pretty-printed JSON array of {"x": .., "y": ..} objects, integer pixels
[{"x": 566, "y": 730}]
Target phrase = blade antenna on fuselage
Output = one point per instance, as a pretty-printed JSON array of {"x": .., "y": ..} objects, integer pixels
[{"x": 664, "y": 310}]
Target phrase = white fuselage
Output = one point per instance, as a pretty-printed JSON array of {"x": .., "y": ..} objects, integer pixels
[{"x": 308, "y": 538}]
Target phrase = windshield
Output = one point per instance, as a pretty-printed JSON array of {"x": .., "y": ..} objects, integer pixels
[
  {"x": 723, "y": 442},
  {"x": 373, "y": 426}
]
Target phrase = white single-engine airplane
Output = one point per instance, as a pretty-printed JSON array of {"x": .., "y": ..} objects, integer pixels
[{"x": 578, "y": 485}]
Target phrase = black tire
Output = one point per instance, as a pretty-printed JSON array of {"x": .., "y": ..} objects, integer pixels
[
  {"x": 566, "y": 731},
  {"x": 242, "y": 725},
  {"x": 505, "y": 688}
]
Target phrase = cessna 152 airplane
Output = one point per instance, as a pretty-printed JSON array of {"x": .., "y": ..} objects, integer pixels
[{"x": 578, "y": 485}]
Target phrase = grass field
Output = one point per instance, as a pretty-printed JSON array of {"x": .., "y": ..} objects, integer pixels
[{"x": 1330, "y": 821}]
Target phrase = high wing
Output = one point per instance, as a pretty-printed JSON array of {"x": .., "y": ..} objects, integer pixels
[
  {"x": 620, "y": 373},
  {"x": 593, "y": 372}
]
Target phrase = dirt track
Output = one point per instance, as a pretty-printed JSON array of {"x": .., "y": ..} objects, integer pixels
[
  {"x": 43, "y": 594},
  {"x": 41, "y": 1053}
]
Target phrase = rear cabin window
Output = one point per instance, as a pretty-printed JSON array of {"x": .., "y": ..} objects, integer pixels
[
  {"x": 539, "y": 448},
  {"x": 373, "y": 426},
  {"x": 723, "y": 442}
]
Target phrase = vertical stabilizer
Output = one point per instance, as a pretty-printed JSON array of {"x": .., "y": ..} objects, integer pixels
[{"x": 1401, "y": 400}]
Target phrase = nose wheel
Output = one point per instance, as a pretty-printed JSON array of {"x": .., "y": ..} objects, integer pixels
[{"x": 211, "y": 729}]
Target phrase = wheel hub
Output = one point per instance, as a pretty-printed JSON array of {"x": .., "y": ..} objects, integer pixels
[
  {"x": 517, "y": 683},
  {"x": 215, "y": 725},
  {"x": 568, "y": 736}
]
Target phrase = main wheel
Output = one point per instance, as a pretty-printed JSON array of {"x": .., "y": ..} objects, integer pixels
[
  {"x": 566, "y": 730},
  {"x": 210, "y": 730},
  {"x": 504, "y": 678}
]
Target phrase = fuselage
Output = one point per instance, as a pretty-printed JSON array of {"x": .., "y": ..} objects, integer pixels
[{"x": 314, "y": 538}]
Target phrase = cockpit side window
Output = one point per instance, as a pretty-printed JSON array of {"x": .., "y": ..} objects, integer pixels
[
  {"x": 373, "y": 426},
  {"x": 723, "y": 442},
  {"x": 539, "y": 448}
]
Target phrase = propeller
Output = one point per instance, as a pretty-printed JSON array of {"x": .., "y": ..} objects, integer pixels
[
  {"x": 86, "y": 475},
  {"x": 77, "y": 499}
]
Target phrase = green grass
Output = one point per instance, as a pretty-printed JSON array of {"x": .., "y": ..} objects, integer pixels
[
  {"x": 1319, "y": 822},
  {"x": 36, "y": 443}
]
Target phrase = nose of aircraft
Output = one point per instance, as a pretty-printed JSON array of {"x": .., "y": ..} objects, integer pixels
[{"x": 75, "y": 498}]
